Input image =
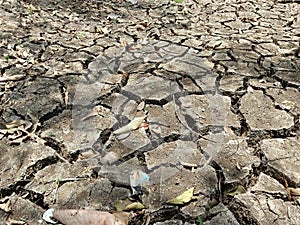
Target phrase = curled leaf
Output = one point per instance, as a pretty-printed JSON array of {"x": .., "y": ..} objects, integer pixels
[
  {"x": 127, "y": 205},
  {"x": 133, "y": 125},
  {"x": 134, "y": 206},
  {"x": 294, "y": 191},
  {"x": 96, "y": 111},
  {"x": 185, "y": 197},
  {"x": 86, "y": 217},
  {"x": 48, "y": 216}
]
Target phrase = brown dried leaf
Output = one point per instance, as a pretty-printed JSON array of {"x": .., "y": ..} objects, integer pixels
[
  {"x": 90, "y": 217},
  {"x": 95, "y": 112},
  {"x": 228, "y": 130}
]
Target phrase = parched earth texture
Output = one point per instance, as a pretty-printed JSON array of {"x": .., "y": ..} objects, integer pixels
[{"x": 217, "y": 83}]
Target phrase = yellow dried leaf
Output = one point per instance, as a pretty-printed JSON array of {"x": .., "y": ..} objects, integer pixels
[
  {"x": 121, "y": 204},
  {"x": 185, "y": 197},
  {"x": 236, "y": 191},
  {"x": 127, "y": 205},
  {"x": 134, "y": 206}
]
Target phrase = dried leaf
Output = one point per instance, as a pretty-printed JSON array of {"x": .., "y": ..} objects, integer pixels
[
  {"x": 127, "y": 205},
  {"x": 228, "y": 130},
  {"x": 48, "y": 216},
  {"x": 294, "y": 191},
  {"x": 236, "y": 191},
  {"x": 133, "y": 125},
  {"x": 140, "y": 106},
  {"x": 86, "y": 217},
  {"x": 122, "y": 218},
  {"x": 185, "y": 197},
  {"x": 14, "y": 124},
  {"x": 134, "y": 206},
  {"x": 6, "y": 206},
  {"x": 121, "y": 204},
  {"x": 96, "y": 111}
]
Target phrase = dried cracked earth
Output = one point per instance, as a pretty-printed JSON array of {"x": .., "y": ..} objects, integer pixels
[{"x": 211, "y": 89}]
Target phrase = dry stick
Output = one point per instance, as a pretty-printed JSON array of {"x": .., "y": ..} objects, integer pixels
[
  {"x": 61, "y": 158},
  {"x": 67, "y": 179}
]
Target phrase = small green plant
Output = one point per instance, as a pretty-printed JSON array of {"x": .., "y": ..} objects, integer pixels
[
  {"x": 6, "y": 57},
  {"x": 57, "y": 180},
  {"x": 30, "y": 11},
  {"x": 200, "y": 220},
  {"x": 115, "y": 20},
  {"x": 50, "y": 134},
  {"x": 178, "y": 1}
]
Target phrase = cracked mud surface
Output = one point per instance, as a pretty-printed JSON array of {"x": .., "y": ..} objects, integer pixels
[{"x": 216, "y": 82}]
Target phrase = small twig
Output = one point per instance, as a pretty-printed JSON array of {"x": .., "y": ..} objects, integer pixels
[
  {"x": 61, "y": 158},
  {"x": 67, "y": 179}
]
